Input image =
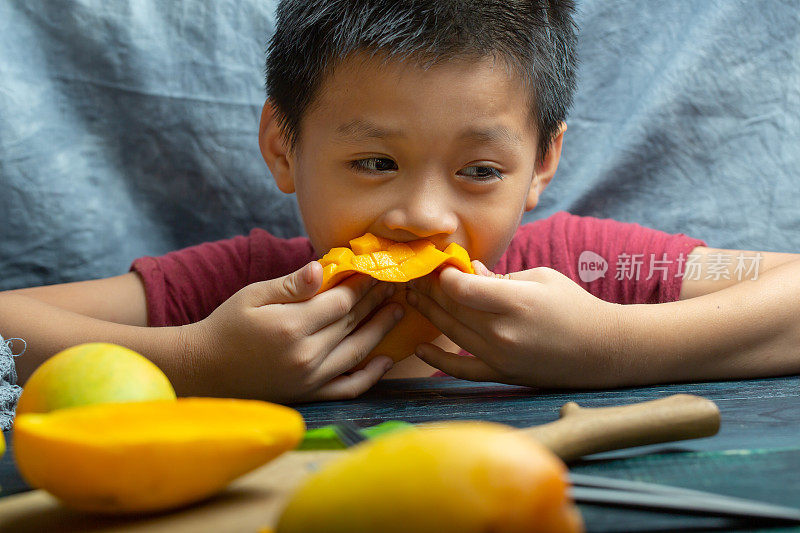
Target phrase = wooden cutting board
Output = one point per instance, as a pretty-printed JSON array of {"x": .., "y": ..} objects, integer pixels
[{"x": 255, "y": 500}]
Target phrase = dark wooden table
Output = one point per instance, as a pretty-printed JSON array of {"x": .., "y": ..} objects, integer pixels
[{"x": 755, "y": 455}]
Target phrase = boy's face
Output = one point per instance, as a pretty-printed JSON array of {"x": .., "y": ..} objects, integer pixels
[{"x": 446, "y": 154}]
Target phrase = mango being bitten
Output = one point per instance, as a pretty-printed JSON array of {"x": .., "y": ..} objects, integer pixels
[
  {"x": 397, "y": 262},
  {"x": 455, "y": 477}
]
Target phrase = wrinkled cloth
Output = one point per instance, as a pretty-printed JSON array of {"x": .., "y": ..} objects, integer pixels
[
  {"x": 9, "y": 390},
  {"x": 129, "y": 128}
]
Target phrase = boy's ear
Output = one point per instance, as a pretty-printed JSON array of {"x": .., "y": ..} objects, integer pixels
[
  {"x": 275, "y": 150},
  {"x": 546, "y": 169}
]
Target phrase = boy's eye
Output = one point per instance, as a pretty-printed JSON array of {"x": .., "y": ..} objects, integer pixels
[
  {"x": 383, "y": 164},
  {"x": 487, "y": 175},
  {"x": 373, "y": 164}
]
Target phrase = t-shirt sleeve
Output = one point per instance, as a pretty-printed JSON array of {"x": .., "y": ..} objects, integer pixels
[
  {"x": 185, "y": 286},
  {"x": 616, "y": 261}
]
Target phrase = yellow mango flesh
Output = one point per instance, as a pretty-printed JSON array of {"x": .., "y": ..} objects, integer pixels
[
  {"x": 459, "y": 477},
  {"x": 150, "y": 456},
  {"x": 388, "y": 260},
  {"x": 93, "y": 373},
  {"x": 397, "y": 262}
]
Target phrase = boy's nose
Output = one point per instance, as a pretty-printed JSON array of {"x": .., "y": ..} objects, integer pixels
[{"x": 423, "y": 213}]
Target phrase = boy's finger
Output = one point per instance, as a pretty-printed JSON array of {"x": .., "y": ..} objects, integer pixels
[
  {"x": 333, "y": 333},
  {"x": 461, "y": 325},
  {"x": 493, "y": 295},
  {"x": 431, "y": 286},
  {"x": 458, "y": 366},
  {"x": 345, "y": 353},
  {"x": 298, "y": 286},
  {"x": 347, "y": 387},
  {"x": 347, "y": 298},
  {"x": 480, "y": 268}
]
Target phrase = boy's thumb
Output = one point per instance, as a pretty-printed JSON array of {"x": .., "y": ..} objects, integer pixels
[{"x": 298, "y": 286}]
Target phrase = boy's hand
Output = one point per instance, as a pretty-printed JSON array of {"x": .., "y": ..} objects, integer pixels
[
  {"x": 276, "y": 340},
  {"x": 536, "y": 327}
]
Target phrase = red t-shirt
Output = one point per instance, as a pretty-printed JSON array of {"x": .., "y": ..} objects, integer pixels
[{"x": 642, "y": 265}]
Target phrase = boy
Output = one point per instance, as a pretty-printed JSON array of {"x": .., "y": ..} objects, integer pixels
[{"x": 437, "y": 120}]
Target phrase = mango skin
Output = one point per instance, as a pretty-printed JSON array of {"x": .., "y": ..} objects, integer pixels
[
  {"x": 92, "y": 373},
  {"x": 140, "y": 457},
  {"x": 459, "y": 477}
]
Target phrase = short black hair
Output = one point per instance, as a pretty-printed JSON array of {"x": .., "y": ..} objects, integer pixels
[{"x": 536, "y": 39}]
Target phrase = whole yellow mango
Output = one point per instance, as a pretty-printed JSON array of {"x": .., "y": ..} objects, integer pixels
[
  {"x": 150, "y": 456},
  {"x": 459, "y": 477},
  {"x": 92, "y": 373}
]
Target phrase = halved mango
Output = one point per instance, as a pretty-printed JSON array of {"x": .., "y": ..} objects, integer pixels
[
  {"x": 150, "y": 456},
  {"x": 397, "y": 262}
]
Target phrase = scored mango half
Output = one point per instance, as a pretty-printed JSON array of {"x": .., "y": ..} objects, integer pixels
[
  {"x": 136, "y": 457},
  {"x": 388, "y": 260},
  {"x": 397, "y": 262}
]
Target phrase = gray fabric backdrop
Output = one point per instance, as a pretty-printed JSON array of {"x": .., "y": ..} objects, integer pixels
[{"x": 128, "y": 128}]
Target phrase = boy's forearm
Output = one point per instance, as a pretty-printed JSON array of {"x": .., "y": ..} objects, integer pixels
[
  {"x": 751, "y": 329},
  {"x": 48, "y": 329}
]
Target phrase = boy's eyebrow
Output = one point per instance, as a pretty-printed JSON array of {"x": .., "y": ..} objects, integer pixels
[{"x": 359, "y": 130}]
